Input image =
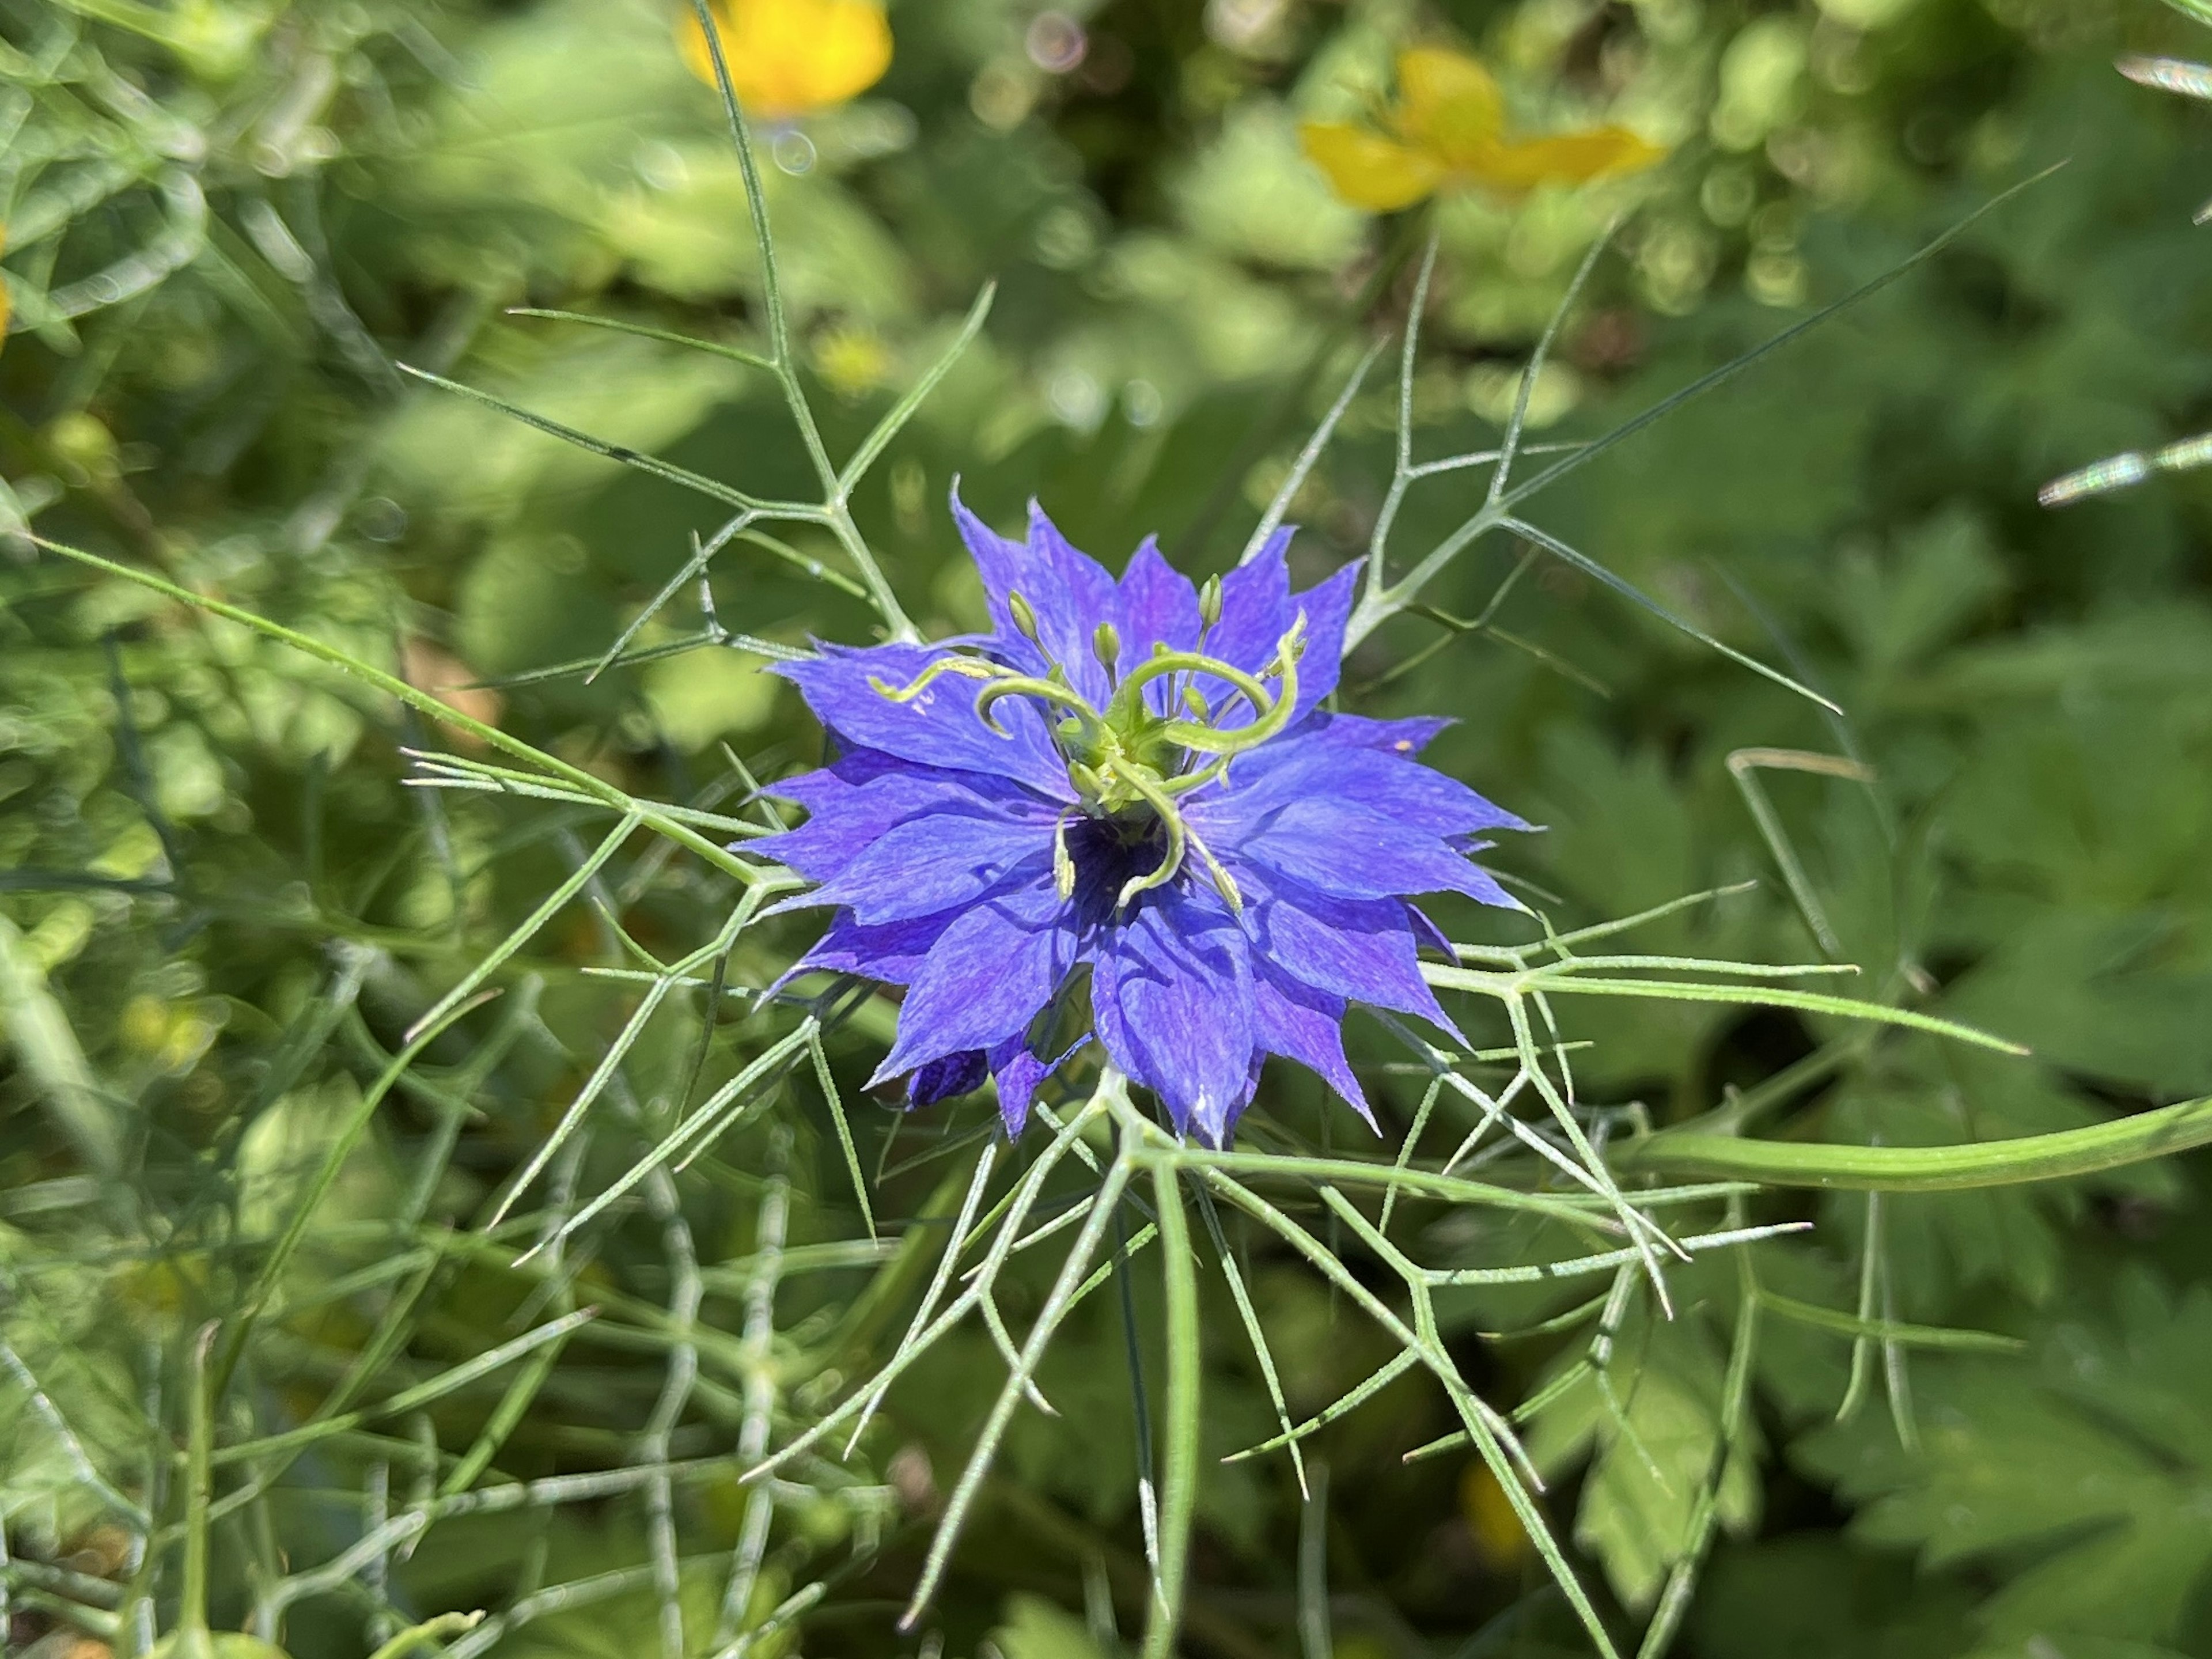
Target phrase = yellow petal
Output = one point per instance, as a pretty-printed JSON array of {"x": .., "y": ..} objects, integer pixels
[
  {"x": 1368, "y": 170},
  {"x": 1567, "y": 158},
  {"x": 1448, "y": 103},
  {"x": 789, "y": 57}
]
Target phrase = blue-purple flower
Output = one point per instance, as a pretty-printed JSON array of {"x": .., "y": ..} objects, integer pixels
[{"x": 1133, "y": 784}]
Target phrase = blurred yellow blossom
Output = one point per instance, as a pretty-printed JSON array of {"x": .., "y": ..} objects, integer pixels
[
  {"x": 788, "y": 57},
  {"x": 851, "y": 358},
  {"x": 1499, "y": 1538},
  {"x": 1448, "y": 132}
]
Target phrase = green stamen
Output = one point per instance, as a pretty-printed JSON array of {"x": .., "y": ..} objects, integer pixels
[
  {"x": 971, "y": 668},
  {"x": 1222, "y": 883},
  {"x": 1063, "y": 867}
]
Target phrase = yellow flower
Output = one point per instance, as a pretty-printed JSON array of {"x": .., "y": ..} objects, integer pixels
[
  {"x": 1449, "y": 131},
  {"x": 788, "y": 58}
]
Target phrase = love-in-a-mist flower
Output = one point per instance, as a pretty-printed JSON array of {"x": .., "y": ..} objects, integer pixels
[
  {"x": 791, "y": 57},
  {"x": 1448, "y": 132},
  {"x": 1125, "y": 802}
]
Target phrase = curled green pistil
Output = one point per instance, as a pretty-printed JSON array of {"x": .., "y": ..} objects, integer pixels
[
  {"x": 1027, "y": 685},
  {"x": 1126, "y": 759}
]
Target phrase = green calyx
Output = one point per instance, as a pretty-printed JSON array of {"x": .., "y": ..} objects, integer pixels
[{"x": 1129, "y": 763}]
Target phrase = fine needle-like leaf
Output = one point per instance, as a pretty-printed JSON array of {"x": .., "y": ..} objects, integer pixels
[
  {"x": 736, "y": 353},
  {"x": 1883, "y": 1330},
  {"x": 596, "y": 788},
  {"x": 834, "y": 1100},
  {"x": 1762, "y": 996},
  {"x": 436, "y": 1388},
  {"x": 1526, "y": 389},
  {"x": 1253, "y": 1333},
  {"x": 1744, "y": 765},
  {"x": 1855, "y": 1387},
  {"x": 1728, "y": 1445},
  {"x": 1492, "y": 1446},
  {"x": 1574, "y": 1266},
  {"x": 1629, "y": 591},
  {"x": 985, "y": 1450},
  {"x": 872, "y": 446},
  {"x": 702, "y": 554},
  {"x": 834, "y": 511},
  {"x": 1388, "y": 1372},
  {"x": 1727, "y": 371},
  {"x": 1314, "y": 1639},
  {"x": 1406, "y": 1147},
  {"x": 604, "y": 1072},
  {"x": 666, "y": 471},
  {"x": 2131, "y": 1140},
  {"x": 550, "y": 906},
  {"x": 1402, "y": 469},
  {"x": 1302, "y": 468},
  {"x": 701, "y": 1127}
]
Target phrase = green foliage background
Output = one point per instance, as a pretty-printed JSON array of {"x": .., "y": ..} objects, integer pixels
[{"x": 220, "y": 908}]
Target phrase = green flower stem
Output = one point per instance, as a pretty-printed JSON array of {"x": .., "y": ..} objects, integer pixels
[
  {"x": 191, "y": 1638},
  {"x": 1925, "y": 1168},
  {"x": 836, "y": 514},
  {"x": 1179, "y": 1478}
]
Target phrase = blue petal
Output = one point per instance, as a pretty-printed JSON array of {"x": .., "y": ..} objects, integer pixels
[
  {"x": 1336, "y": 848},
  {"x": 1406, "y": 737},
  {"x": 942, "y": 1079},
  {"x": 985, "y": 978},
  {"x": 1159, "y": 605},
  {"x": 1068, "y": 592},
  {"x": 1362, "y": 950},
  {"x": 893, "y": 953},
  {"x": 1425, "y": 932},
  {"x": 1171, "y": 997},
  {"x": 1077, "y": 595},
  {"x": 932, "y": 864},
  {"x": 848, "y": 821},
  {"x": 1257, "y": 608},
  {"x": 1004, "y": 566},
  {"x": 1328, "y": 609},
  {"x": 1297, "y": 1022},
  {"x": 937, "y": 728},
  {"x": 1304, "y": 766},
  {"x": 1020, "y": 1073}
]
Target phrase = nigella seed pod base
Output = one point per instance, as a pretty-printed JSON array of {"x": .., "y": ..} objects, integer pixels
[{"x": 1135, "y": 780}]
